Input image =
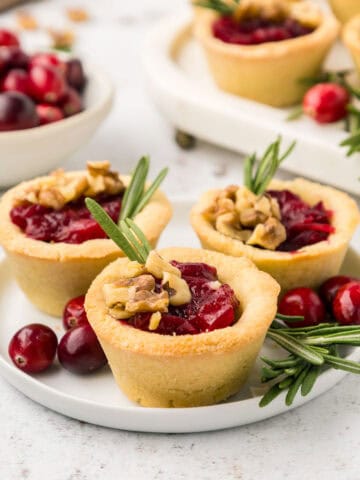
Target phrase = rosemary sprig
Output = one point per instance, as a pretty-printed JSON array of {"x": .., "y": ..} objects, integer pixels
[
  {"x": 220, "y": 6},
  {"x": 257, "y": 179},
  {"x": 126, "y": 236},
  {"x": 311, "y": 349},
  {"x": 136, "y": 196}
]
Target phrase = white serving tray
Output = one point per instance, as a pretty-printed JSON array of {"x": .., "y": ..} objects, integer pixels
[
  {"x": 96, "y": 398},
  {"x": 181, "y": 86}
]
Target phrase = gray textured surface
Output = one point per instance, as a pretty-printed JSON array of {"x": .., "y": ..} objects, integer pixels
[{"x": 318, "y": 441}]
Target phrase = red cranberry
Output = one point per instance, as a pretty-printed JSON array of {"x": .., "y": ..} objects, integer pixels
[
  {"x": 8, "y": 38},
  {"x": 33, "y": 348},
  {"x": 13, "y": 57},
  {"x": 47, "y": 60},
  {"x": 80, "y": 351},
  {"x": 74, "y": 313},
  {"x": 74, "y": 74},
  {"x": 16, "y": 80},
  {"x": 48, "y": 113},
  {"x": 329, "y": 289},
  {"x": 326, "y": 102},
  {"x": 17, "y": 112},
  {"x": 196, "y": 270},
  {"x": 303, "y": 302},
  {"x": 346, "y": 304},
  {"x": 70, "y": 102},
  {"x": 46, "y": 84}
]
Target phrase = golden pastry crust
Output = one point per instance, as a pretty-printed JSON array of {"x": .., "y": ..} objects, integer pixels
[
  {"x": 310, "y": 265},
  {"x": 270, "y": 72},
  {"x": 52, "y": 273},
  {"x": 351, "y": 38},
  {"x": 345, "y": 9},
  {"x": 189, "y": 370}
]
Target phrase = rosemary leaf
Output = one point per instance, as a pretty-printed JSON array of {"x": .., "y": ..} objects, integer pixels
[
  {"x": 296, "y": 347},
  {"x": 138, "y": 232},
  {"x": 291, "y": 361},
  {"x": 111, "y": 229},
  {"x": 284, "y": 384},
  {"x": 133, "y": 241},
  {"x": 270, "y": 395},
  {"x": 290, "y": 318},
  {"x": 295, "y": 113},
  {"x": 295, "y": 386},
  {"x": 309, "y": 380},
  {"x": 150, "y": 192},
  {"x": 135, "y": 190},
  {"x": 268, "y": 374},
  {"x": 342, "y": 364},
  {"x": 248, "y": 171},
  {"x": 218, "y": 5},
  {"x": 344, "y": 338}
]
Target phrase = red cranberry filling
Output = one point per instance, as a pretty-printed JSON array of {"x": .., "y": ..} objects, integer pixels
[
  {"x": 71, "y": 224},
  {"x": 305, "y": 225},
  {"x": 257, "y": 30},
  {"x": 209, "y": 309}
]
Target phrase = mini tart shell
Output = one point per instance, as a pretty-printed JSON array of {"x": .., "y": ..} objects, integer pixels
[
  {"x": 308, "y": 266},
  {"x": 188, "y": 370},
  {"x": 345, "y": 9},
  {"x": 351, "y": 38},
  {"x": 270, "y": 72},
  {"x": 50, "y": 274}
]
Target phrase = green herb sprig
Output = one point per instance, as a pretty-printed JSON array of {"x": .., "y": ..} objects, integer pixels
[
  {"x": 311, "y": 349},
  {"x": 127, "y": 235},
  {"x": 257, "y": 178},
  {"x": 136, "y": 195},
  {"x": 220, "y": 6}
]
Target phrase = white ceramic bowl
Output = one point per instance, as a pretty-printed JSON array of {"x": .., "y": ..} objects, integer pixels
[{"x": 35, "y": 151}]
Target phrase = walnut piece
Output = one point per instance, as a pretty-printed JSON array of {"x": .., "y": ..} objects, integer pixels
[
  {"x": 77, "y": 14},
  {"x": 156, "y": 265},
  {"x": 268, "y": 235},
  {"x": 101, "y": 179},
  {"x": 62, "y": 39},
  {"x": 179, "y": 291},
  {"x": 145, "y": 301},
  {"x": 155, "y": 320},
  {"x": 228, "y": 224}
]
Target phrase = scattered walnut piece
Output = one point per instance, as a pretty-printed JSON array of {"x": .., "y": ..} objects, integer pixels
[
  {"x": 275, "y": 10},
  {"x": 62, "y": 39},
  {"x": 245, "y": 198},
  {"x": 156, "y": 265},
  {"x": 179, "y": 291},
  {"x": 77, "y": 14},
  {"x": 145, "y": 301},
  {"x": 101, "y": 179},
  {"x": 228, "y": 224},
  {"x": 26, "y": 21},
  {"x": 155, "y": 320},
  {"x": 268, "y": 235}
]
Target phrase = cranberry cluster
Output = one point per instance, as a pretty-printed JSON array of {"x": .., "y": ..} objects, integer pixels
[
  {"x": 305, "y": 225},
  {"x": 338, "y": 297},
  {"x": 210, "y": 308},
  {"x": 33, "y": 348},
  {"x": 37, "y": 89},
  {"x": 257, "y": 30},
  {"x": 71, "y": 224}
]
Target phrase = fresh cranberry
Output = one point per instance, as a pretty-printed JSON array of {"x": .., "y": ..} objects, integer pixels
[
  {"x": 79, "y": 350},
  {"x": 329, "y": 289},
  {"x": 16, "y": 80},
  {"x": 13, "y": 57},
  {"x": 346, "y": 304},
  {"x": 46, "y": 84},
  {"x": 17, "y": 112},
  {"x": 48, "y": 113},
  {"x": 304, "y": 224},
  {"x": 326, "y": 102},
  {"x": 47, "y": 60},
  {"x": 70, "y": 102},
  {"x": 74, "y": 313},
  {"x": 74, "y": 74},
  {"x": 8, "y": 38},
  {"x": 256, "y": 31},
  {"x": 303, "y": 302},
  {"x": 33, "y": 348}
]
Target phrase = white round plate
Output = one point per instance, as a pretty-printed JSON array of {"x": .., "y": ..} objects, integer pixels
[{"x": 96, "y": 398}]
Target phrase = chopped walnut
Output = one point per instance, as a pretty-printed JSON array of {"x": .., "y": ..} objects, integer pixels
[
  {"x": 77, "y": 14},
  {"x": 156, "y": 265},
  {"x": 268, "y": 235},
  {"x": 155, "y": 320},
  {"x": 179, "y": 291},
  {"x": 228, "y": 224},
  {"x": 245, "y": 198},
  {"x": 275, "y": 10},
  {"x": 307, "y": 14},
  {"x": 101, "y": 179},
  {"x": 62, "y": 39},
  {"x": 118, "y": 292},
  {"x": 145, "y": 301},
  {"x": 26, "y": 21}
]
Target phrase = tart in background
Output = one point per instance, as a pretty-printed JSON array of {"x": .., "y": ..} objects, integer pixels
[
  {"x": 345, "y": 9},
  {"x": 254, "y": 67},
  {"x": 51, "y": 269},
  {"x": 173, "y": 370},
  {"x": 351, "y": 38}
]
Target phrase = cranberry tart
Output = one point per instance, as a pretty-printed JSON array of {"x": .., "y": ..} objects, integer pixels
[
  {"x": 54, "y": 246},
  {"x": 298, "y": 231},
  {"x": 261, "y": 49},
  {"x": 183, "y": 329}
]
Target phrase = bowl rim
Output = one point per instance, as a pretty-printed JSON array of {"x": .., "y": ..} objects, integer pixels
[{"x": 107, "y": 92}]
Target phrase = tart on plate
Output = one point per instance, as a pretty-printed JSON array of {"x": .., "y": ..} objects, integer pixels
[
  {"x": 345, "y": 9},
  {"x": 262, "y": 49},
  {"x": 180, "y": 327},
  {"x": 351, "y": 38},
  {"x": 298, "y": 231},
  {"x": 54, "y": 247}
]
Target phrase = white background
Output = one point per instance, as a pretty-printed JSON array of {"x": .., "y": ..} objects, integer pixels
[{"x": 315, "y": 442}]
